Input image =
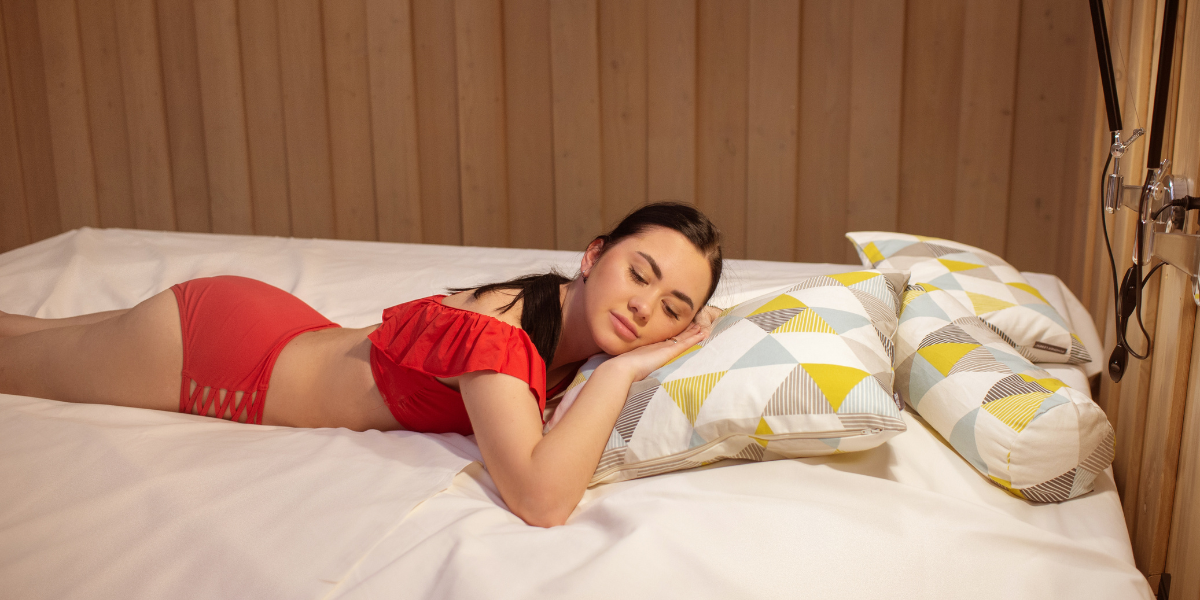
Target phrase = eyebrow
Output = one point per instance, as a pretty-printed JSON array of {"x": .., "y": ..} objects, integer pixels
[{"x": 658, "y": 273}]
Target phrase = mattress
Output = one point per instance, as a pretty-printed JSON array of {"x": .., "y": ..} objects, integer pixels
[{"x": 105, "y": 501}]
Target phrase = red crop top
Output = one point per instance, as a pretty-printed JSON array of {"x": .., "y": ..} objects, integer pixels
[{"x": 425, "y": 339}]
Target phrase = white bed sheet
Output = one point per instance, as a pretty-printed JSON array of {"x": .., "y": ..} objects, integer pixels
[{"x": 114, "y": 502}]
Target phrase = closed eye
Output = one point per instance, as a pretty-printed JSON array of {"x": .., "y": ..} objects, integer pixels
[
  {"x": 638, "y": 278},
  {"x": 667, "y": 307}
]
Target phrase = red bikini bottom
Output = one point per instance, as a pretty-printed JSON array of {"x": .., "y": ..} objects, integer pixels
[{"x": 233, "y": 331}]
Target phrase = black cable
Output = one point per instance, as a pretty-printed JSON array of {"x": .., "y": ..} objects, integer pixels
[{"x": 1152, "y": 270}]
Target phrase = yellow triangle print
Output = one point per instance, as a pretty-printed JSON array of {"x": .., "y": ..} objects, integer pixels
[
  {"x": 835, "y": 381},
  {"x": 986, "y": 304},
  {"x": 943, "y": 357},
  {"x": 1006, "y": 485},
  {"x": 780, "y": 302},
  {"x": 849, "y": 279},
  {"x": 762, "y": 429},
  {"x": 689, "y": 393},
  {"x": 579, "y": 379},
  {"x": 958, "y": 265},
  {"x": 1049, "y": 383},
  {"x": 873, "y": 253},
  {"x": 910, "y": 295},
  {"x": 806, "y": 321},
  {"x": 1025, "y": 287},
  {"x": 1016, "y": 411}
]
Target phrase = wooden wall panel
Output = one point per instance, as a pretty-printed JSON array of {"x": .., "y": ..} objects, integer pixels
[
  {"x": 481, "y": 138},
  {"x": 529, "y": 123},
  {"x": 574, "y": 71},
  {"x": 14, "y": 222},
  {"x": 352, "y": 168},
  {"x": 824, "y": 130},
  {"x": 106, "y": 113},
  {"x": 437, "y": 126},
  {"x": 773, "y": 107},
  {"x": 223, "y": 107},
  {"x": 623, "y": 96},
  {"x": 175, "y": 37},
  {"x": 74, "y": 171},
  {"x": 723, "y": 39},
  {"x": 263, "y": 96},
  {"x": 671, "y": 101}
]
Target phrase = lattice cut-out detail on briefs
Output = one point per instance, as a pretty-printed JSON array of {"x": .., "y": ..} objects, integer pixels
[{"x": 233, "y": 405}]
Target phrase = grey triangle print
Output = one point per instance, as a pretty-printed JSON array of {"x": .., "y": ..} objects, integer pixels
[
  {"x": 978, "y": 360},
  {"x": 797, "y": 395},
  {"x": 887, "y": 345},
  {"x": 1012, "y": 385},
  {"x": 1079, "y": 354},
  {"x": 768, "y": 321},
  {"x": 752, "y": 451},
  {"x": 939, "y": 250},
  {"x": 879, "y": 312},
  {"x": 1055, "y": 490},
  {"x": 949, "y": 334},
  {"x": 1102, "y": 456},
  {"x": 815, "y": 282},
  {"x": 635, "y": 406}
]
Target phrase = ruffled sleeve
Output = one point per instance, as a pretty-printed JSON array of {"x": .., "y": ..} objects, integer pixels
[{"x": 441, "y": 341}]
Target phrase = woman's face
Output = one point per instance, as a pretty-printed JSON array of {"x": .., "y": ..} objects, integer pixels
[{"x": 643, "y": 289}]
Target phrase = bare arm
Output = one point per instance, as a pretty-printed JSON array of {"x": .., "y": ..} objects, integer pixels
[{"x": 542, "y": 478}]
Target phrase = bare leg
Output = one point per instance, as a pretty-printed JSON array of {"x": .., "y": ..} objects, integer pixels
[
  {"x": 129, "y": 359},
  {"x": 13, "y": 325}
]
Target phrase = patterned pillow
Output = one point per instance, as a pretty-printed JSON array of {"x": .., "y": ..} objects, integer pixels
[
  {"x": 980, "y": 280},
  {"x": 1026, "y": 431},
  {"x": 802, "y": 372}
]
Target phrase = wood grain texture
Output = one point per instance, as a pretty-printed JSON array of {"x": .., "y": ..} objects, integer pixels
[
  {"x": 1132, "y": 403},
  {"x": 306, "y": 119},
  {"x": 723, "y": 40},
  {"x": 933, "y": 42},
  {"x": 824, "y": 129},
  {"x": 14, "y": 222},
  {"x": 876, "y": 95},
  {"x": 150, "y": 147},
  {"x": 106, "y": 113},
  {"x": 529, "y": 122},
  {"x": 772, "y": 114},
  {"x": 27, "y": 79},
  {"x": 437, "y": 126},
  {"x": 185, "y": 121},
  {"x": 348, "y": 89},
  {"x": 985, "y": 124},
  {"x": 1164, "y": 419},
  {"x": 623, "y": 97},
  {"x": 394, "y": 120},
  {"x": 223, "y": 106},
  {"x": 483, "y": 170},
  {"x": 263, "y": 93},
  {"x": 70, "y": 139},
  {"x": 575, "y": 77},
  {"x": 671, "y": 100}
]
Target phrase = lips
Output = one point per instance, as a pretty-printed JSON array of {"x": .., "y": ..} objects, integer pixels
[{"x": 623, "y": 327}]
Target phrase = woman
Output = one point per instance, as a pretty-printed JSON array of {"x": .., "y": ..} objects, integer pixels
[{"x": 476, "y": 361}]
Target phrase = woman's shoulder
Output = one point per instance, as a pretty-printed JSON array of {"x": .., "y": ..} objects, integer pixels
[{"x": 491, "y": 304}]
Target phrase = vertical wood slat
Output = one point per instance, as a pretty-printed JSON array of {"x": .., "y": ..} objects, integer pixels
[
  {"x": 985, "y": 127},
  {"x": 106, "y": 113},
  {"x": 773, "y": 110},
  {"x": 437, "y": 125},
  {"x": 482, "y": 166},
  {"x": 722, "y": 43},
  {"x": 146, "y": 118},
  {"x": 876, "y": 91},
  {"x": 223, "y": 108},
  {"x": 574, "y": 58},
  {"x": 529, "y": 122},
  {"x": 345, "y": 31},
  {"x": 74, "y": 170},
  {"x": 27, "y": 78},
  {"x": 824, "y": 123},
  {"x": 671, "y": 100},
  {"x": 14, "y": 221},
  {"x": 394, "y": 120},
  {"x": 306, "y": 122},
  {"x": 263, "y": 95},
  {"x": 623, "y": 97},
  {"x": 929, "y": 140},
  {"x": 178, "y": 83}
]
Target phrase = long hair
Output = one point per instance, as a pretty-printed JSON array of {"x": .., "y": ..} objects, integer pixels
[{"x": 541, "y": 316}]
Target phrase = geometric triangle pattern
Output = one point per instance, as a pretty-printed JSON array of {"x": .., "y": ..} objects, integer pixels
[
  {"x": 805, "y": 371},
  {"x": 983, "y": 282},
  {"x": 1024, "y": 430}
]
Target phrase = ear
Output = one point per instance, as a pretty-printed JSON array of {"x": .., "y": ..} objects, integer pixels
[{"x": 591, "y": 255}]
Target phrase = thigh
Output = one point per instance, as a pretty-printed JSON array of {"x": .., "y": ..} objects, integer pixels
[{"x": 133, "y": 359}]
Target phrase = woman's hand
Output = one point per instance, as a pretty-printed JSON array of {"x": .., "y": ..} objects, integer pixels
[
  {"x": 640, "y": 362},
  {"x": 707, "y": 317}
]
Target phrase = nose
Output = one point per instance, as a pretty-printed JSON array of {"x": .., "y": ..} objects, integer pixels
[{"x": 640, "y": 307}]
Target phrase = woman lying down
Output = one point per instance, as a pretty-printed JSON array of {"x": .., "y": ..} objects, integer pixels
[{"x": 477, "y": 361}]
